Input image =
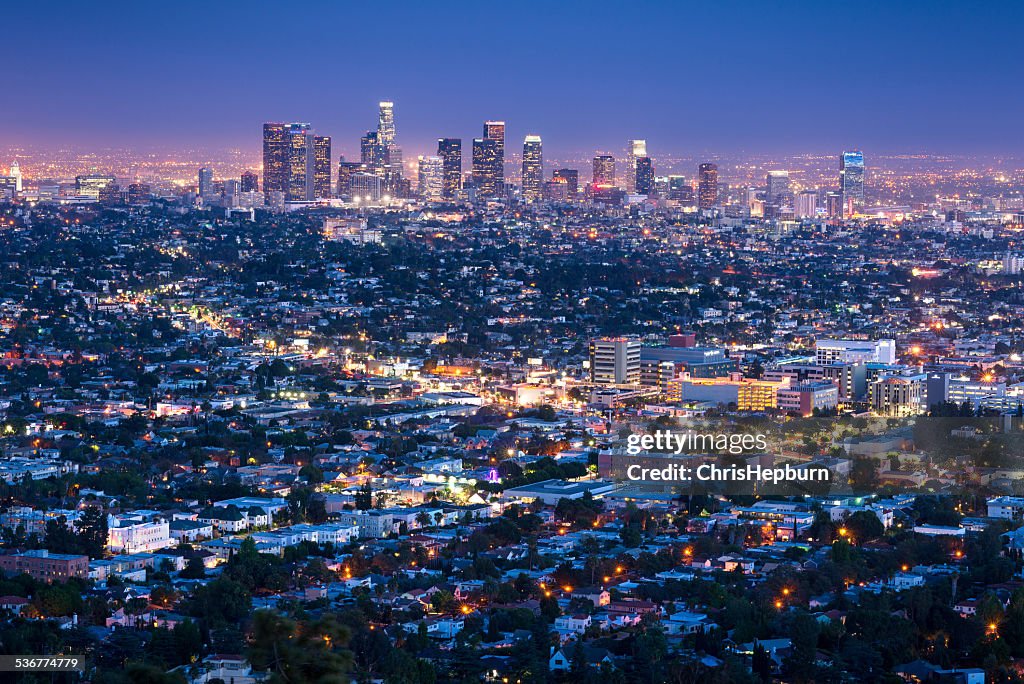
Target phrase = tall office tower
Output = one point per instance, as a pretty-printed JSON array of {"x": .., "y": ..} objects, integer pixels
[
  {"x": 495, "y": 130},
  {"x": 487, "y": 176},
  {"x": 833, "y": 205},
  {"x": 604, "y": 170},
  {"x": 386, "y": 124},
  {"x": 431, "y": 178},
  {"x": 321, "y": 167},
  {"x": 371, "y": 152},
  {"x": 807, "y": 204},
  {"x": 533, "y": 168},
  {"x": 390, "y": 152},
  {"x": 851, "y": 182},
  {"x": 644, "y": 182},
  {"x": 635, "y": 149},
  {"x": 206, "y": 182},
  {"x": 275, "y": 158},
  {"x": 777, "y": 186},
  {"x": 250, "y": 182},
  {"x": 301, "y": 162},
  {"x": 450, "y": 152},
  {"x": 615, "y": 360},
  {"x": 15, "y": 173},
  {"x": 346, "y": 169},
  {"x": 707, "y": 185},
  {"x": 571, "y": 178}
]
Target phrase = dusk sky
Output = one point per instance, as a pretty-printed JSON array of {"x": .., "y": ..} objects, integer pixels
[{"x": 771, "y": 77}]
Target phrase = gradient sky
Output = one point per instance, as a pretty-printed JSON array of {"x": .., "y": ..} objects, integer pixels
[{"x": 690, "y": 77}]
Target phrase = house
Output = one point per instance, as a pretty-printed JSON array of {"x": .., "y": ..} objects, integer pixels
[
  {"x": 15, "y": 604},
  {"x": 234, "y": 669},
  {"x": 561, "y": 658},
  {"x": 575, "y": 624},
  {"x": 599, "y": 597}
]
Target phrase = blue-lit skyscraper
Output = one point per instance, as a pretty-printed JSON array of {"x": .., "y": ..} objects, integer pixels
[{"x": 851, "y": 182}]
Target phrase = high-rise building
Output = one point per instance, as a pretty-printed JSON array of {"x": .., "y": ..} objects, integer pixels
[
  {"x": 321, "y": 167},
  {"x": 487, "y": 161},
  {"x": 615, "y": 360},
  {"x": 533, "y": 168},
  {"x": 776, "y": 186},
  {"x": 431, "y": 178},
  {"x": 15, "y": 173},
  {"x": 386, "y": 123},
  {"x": 290, "y": 161},
  {"x": 371, "y": 152},
  {"x": 603, "y": 170},
  {"x": 707, "y": 185},
  {"x": 390, "y": 153},
  {"x": 275, "y": 158},
  {"x": 571, "y": 179},
  {"x": 851, "y": 182},
  {"x": 450, "y": 152},
  {"x": 206, "y": 183},
  {"x": 644, "y": 182},
  {"x": 680, "y": 189},
  {"x": 495, "y": 130},
  {"x": 91, "y": 185},
  {"x": 635, "y": 149},
  {"x": 300, "y": 164},
  {"x": 250, "y": 182},
  {"x": 345, "y": 171},
  {"x": 807, "y": 204}
]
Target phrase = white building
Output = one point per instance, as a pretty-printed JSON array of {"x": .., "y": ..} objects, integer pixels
[
  {"x": 137, "y": 537},
  {"x": 855, "y": 351}
]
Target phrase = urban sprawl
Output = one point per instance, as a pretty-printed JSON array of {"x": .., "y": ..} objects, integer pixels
[{"x": 371, "y": 420}]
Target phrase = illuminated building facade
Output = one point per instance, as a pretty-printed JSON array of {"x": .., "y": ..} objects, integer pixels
[
  {"x": 851, "y": 183},
  {"x": 450, "y": 152},
  {"x": 603, "y": 171},
  {"x": 707, "y": 185},
  {"x": 635, "y": 149},
  {"x": 533, "y": 168}
]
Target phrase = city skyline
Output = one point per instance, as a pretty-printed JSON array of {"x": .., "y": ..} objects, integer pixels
[{"x": 732, "y": 85}]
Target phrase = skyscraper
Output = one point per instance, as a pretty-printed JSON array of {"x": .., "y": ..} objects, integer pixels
[
  {"x": 533, "y": 168},
  {"x": 15, "y": 173},
  {"x": 807, "y": 204},
  {"x": 431, "y": 178},
  {"x": 489, "y": 160},
  {"x": 571, "y": 179},
  {"x": 776, "y": 186},
  {"x": 707, "y": 185},
  {"x": 371, "y": 152},
  {"x": 450, "y": 152},
  {"x": 604, "y": 170},
  {"x": 644, "y": 182},
  {"x": 301, "y": 162},
  {"x": 250, "y": 182},
  {"x": 275, "y": 158},
  {"x": 206, "y": 183},
  {"x": 386, "y": 123},
  {"x": 495, "y": 132},
  {"x": 346, "y": 170},
  {"x": 851, "y": 182},
  {"x": 290, "y": 161},
  {"x": 321, "y": 167},
  {"x": 635, "y": 149}
]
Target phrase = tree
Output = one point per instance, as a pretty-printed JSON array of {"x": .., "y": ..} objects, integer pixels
[
  {"x": 865, "y": 526},
  {"x": 92, "y": 532},
  {"x": 194, "y": 569},
  {"x": 804, "y": 635},
  {"x": 311, "y": 652}
]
